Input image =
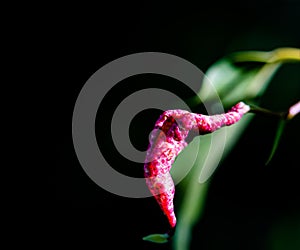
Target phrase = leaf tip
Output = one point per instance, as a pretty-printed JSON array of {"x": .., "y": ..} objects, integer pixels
[{"x": 157, "y": 238}]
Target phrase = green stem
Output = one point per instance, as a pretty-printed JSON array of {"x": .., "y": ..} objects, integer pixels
[
  {"x": 288, "y": 115},
  {"x": 285, "y": 55},
  {"x": 275, "y": 56},
  {"x": 258, "y": 110}
]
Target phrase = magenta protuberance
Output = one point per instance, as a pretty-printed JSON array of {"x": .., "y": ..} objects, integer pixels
[{"x": 168, "y": 140}]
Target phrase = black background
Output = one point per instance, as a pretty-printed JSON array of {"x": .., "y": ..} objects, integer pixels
[{"x": 246, "y": 201}]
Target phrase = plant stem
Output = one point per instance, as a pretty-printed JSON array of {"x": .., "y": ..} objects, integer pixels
[
  {"x": 276, "y": 56},
  {"x": 291, "y": 113},
  {"x": 258, "y": 110},
  {"x": 284, "y": 55}
]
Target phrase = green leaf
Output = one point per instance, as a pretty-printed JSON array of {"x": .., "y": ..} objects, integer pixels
[
  {"x": 240, "y": 76},
  {"x": 157, "y": 238},
  {"x": 278, "y": 136},
  {"x": 234, "y": 81},
  {"x": 192, "y": 202}
]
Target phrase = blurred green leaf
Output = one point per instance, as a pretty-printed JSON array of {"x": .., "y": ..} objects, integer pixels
[
  {"x": 239, "y": 76},
  {"x": 235, "y": 81},
  {"x": 157, "y": 238},
  {"x": 284, "y": 233},
  {"x": 278, "y": 135}
]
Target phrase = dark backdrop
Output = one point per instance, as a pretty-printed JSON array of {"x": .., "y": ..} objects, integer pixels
[{"x": 249, "y": 205}]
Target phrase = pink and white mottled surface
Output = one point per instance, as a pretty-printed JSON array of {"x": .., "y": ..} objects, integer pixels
[{"x": 168, "y": 140}]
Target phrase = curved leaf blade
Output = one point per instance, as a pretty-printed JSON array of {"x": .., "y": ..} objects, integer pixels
[
  {"x": 278, "y": 136},
  {"x": 157, "y": 238}
]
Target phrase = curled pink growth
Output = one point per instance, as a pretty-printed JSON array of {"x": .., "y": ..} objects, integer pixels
[
  {"x": 168, "y": 140},
  {"x": 294, "y": 110}
]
